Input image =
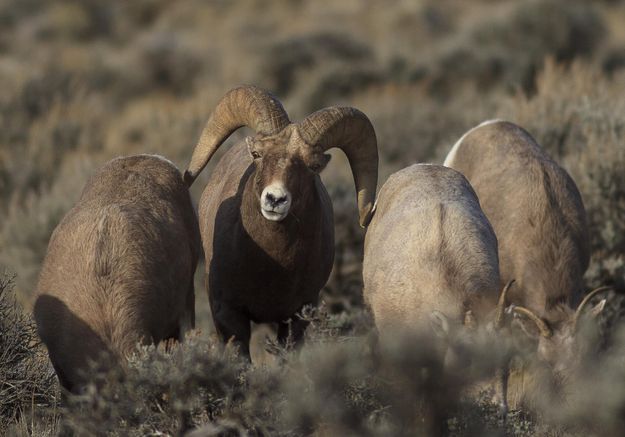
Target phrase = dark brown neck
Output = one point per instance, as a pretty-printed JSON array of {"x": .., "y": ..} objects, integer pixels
[{"x": 282, "y": 240}]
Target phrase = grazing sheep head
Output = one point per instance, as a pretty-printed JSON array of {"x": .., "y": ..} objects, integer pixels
[
  {"x": 557, "y": 343},
  {"x": 288, "y": 155},
  {"x": 459, "y": 339}
]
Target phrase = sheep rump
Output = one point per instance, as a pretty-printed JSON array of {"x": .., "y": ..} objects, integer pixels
[
  {"x": 429, "y": 248},
  {"x": 119, "y": 267}
]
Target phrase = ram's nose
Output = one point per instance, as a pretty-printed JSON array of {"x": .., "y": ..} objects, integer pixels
[{"x": 275, "y": 202}]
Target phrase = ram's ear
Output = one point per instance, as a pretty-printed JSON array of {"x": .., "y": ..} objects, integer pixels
[
  {"x": 326, "y": 159},
  {"x": 252, "y": 148},
  {"x": 440, "y": 324},
  {"x": 469, "y": 320}
]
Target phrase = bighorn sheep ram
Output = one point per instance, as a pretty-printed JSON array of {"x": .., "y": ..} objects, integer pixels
[
  {"x": 430, "y": 255},
  {"x": 265, "y": 217},
  {"x": 119, "y": 268},
  {"x": 429, "y": 249},
  {"x": 430, "y": 261},
  {"x": 540, "y": 222}
]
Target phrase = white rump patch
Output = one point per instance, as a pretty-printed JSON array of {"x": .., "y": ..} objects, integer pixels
[
  {"x": 452, "y": 153},
  {"x": 161, "y": 157},
  {"x": 151, "y": 155}
]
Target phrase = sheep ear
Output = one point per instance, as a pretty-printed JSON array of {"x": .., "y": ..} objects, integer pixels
[
  {"x": 469, "y": 320},
  {"x": 439, "y": 324},
  {"x": 252, "y": 148},
  {"x": 597, "y": 309}
]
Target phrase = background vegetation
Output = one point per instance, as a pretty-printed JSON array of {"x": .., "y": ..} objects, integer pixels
[{"x": 83, "y": 81}]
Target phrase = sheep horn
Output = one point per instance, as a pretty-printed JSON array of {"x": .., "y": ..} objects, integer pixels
[
  {"x": 243, "y": 106},
  {"x": 544, "y": 329},
  {"x": 351, "y": 131},
  {"x": 501, "y": 306},
  {"x": 589, "y": 296}
]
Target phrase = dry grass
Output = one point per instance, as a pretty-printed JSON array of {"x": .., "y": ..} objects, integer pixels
[{"x": 27, "y": 381}]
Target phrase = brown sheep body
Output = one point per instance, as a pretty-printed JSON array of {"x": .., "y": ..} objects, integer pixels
[
  {"x": 259, "y": 270},
  {"x": 265, "y": 217},
  {"x": 429, "y": 249},
  {"x": 535, "y": 209},
  {"x": 119, "y": 268},
  {"x": 540, "y": 221},
  {"x": 431, "y": 269}
]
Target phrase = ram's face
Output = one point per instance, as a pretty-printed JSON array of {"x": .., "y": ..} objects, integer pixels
[{"x": 285, "y": 171}]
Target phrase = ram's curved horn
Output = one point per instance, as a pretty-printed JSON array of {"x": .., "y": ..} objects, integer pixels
[
  {"x": 501, "y": 305},
  {"x": 542, "y": 326},
  {"x": 587, "y": 298},
  {"x": 243, "y": 106},
  {"x": 351, "y": 131}
]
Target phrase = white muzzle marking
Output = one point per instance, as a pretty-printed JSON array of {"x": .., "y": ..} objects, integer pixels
[{"x": 275, "y": 202}]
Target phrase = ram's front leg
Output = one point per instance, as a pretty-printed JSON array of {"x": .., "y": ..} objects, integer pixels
[{"x": 232, "y": 327}]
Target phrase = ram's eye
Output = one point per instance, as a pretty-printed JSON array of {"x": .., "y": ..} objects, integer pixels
[
  {"x": 255, "y": 154},
  {"x": 319, "y": 163}
]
